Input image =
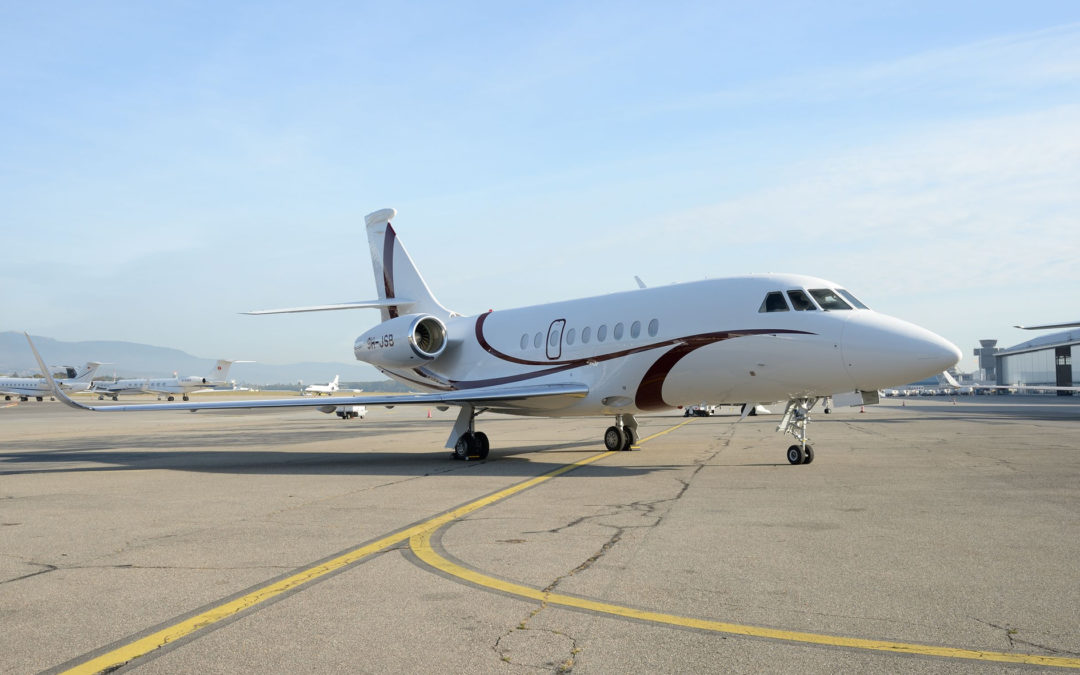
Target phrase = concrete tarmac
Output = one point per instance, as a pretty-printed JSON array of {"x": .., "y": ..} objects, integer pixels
[{"x": 926, "y": 536}]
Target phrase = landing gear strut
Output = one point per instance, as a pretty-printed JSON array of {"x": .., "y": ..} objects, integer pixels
[
  {"x": 795, "y": 420},
  {"x": 623, "y": 435},
  {"x": 469, "y": 443}
]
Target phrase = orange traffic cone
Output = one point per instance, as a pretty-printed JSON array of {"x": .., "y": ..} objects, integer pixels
[
  {"x": 862, "y": 408},
  {"x": 429, "y": 413}
]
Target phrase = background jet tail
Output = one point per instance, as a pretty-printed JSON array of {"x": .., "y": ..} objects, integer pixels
[
  {"x": 396, "y": 275},
  {"x": 220, "y": 371},
  {"x": 87, "y": 373}
]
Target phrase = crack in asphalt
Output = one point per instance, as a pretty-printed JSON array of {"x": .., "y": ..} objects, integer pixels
[
  {"x": 47, "y": 567},
  {"x": 646, "y": 509},
  {"x": 1012, "y": 633}
]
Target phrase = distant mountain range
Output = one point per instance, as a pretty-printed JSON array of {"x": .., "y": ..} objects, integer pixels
[{"x": 131, "y": 359}]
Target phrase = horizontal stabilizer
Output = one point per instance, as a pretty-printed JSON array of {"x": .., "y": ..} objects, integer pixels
[{"x": 361, "y": 304}]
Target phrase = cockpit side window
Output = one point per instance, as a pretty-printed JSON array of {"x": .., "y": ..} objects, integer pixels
[
  {"x": 774, "y": 302},
  {"x": 851, "y": 298},
  {"x": 800, "y": 302},
  {"x": 828, "y": 299}
]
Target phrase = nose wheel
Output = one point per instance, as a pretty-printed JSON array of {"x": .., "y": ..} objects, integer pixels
[
  {"x": 795, "y": 421},
  {"x": 797, "y": 454}
]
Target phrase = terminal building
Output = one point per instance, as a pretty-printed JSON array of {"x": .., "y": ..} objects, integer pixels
[{"x": 1045, "y": 360}]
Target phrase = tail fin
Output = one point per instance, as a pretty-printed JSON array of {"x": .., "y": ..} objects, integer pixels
[
  {"x": 87, "y": 373},
  {"x": 220, "y": 371},
  {"x": 396, "y": 275}
]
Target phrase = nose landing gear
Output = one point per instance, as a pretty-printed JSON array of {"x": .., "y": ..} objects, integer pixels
[{"x": 796, "y": 419}]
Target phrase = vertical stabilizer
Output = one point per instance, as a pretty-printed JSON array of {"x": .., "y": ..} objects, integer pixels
[
  {"x": 220, "y": 371},
  {"x": 87, "y": 373},
  {"x": 396, "y": 275}
]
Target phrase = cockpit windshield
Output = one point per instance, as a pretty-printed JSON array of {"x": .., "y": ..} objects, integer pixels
[
  {"x": 774, "y": 302},
  {"x": 851, "y": 298},
  {"x": 828, "y": 299},
  {"x": 800, "y": 302}
]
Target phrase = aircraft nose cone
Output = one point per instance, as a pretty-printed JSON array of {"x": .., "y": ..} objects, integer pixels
[{"x": 880, "y": 351}]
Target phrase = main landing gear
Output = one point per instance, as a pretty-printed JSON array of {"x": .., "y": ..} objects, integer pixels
[
  {"x": 795, "y": 420},
  {"x": 623, "y": 435},
  {"x": 468, "y": 443}
]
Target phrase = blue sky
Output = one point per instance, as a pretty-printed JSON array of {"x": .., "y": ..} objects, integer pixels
[{"x": 164, "y": 166}]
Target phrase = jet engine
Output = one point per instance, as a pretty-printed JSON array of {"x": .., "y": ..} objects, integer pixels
[{"x": 405, "y": 342}]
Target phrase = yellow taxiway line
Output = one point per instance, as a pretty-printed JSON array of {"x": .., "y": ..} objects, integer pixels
[
  {"x": 421, "y": 546},
  {"x": 419, "y": 537}
]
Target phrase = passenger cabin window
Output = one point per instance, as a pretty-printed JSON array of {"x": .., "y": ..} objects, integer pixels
[
  {"x": 570, "y": 336},
  {"x": 601, "y": 332},
  {"x": 851, "y": 298},
  {"x": 586, "y": 333},
  {"x": 774, "y": 302},
  {"x": 828, "y": 299},
  {"x": 800, "y": 302},
  {"x": 538, "y": 340},
  {"x": 617, "y": 333},
  {"x": 654, "y": 327},
  {"x": 635, "y": 329}
]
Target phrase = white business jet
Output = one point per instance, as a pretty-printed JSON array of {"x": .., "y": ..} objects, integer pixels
[
  {"x": 25, "y": 388},
  {"x": 725, "y": 341},
  {"x": 320, "y": 389},
  {"x": 168, "y": 386}
]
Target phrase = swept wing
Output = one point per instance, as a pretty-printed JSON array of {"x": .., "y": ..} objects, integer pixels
[{"x": 501, "y": 397}]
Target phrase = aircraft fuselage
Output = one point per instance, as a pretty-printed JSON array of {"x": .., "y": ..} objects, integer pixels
[{"x": 654, "y": 349}]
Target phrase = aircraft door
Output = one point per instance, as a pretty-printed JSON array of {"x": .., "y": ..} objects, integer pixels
[{"x": 554, "y": 339}]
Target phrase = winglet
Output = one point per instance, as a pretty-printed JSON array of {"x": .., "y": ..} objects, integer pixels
[{"x": 56, "y": 390}]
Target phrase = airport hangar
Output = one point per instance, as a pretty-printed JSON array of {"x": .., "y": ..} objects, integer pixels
[{"x": 1045, "y": 360}]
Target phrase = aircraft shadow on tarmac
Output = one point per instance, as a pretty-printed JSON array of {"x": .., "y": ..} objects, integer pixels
[{"x": 292, "y": 462}]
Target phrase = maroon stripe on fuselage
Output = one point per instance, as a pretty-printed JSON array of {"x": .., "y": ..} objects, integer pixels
[
  {"x": 388, "y": 267},
  {"x": 648, "y": 394}
]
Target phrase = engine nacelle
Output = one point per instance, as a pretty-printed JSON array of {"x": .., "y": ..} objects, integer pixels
[{"x": 404, "y": 342}]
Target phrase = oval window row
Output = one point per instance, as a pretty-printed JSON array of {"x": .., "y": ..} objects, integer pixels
[{"x": 571, "y": 335}]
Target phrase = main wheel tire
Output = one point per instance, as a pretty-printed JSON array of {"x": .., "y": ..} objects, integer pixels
[
  {"x": 171, "y": 398},
  {"x": 795, "y": 454},
  {"x": 809, "y": 455},
  {"x": 631, "y": 438},
  {"x": 482, "y": 445},
  {"x": 614, "y": 439},
  {"x": 465, "y": 447}
]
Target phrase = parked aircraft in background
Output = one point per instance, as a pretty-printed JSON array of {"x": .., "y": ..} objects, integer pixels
[
  {"x": 25, "y": 388},
  {"x": 738, "y": 340},
  {"x": 320, "y": 389},
  {"x": 167, "y": 386}
]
